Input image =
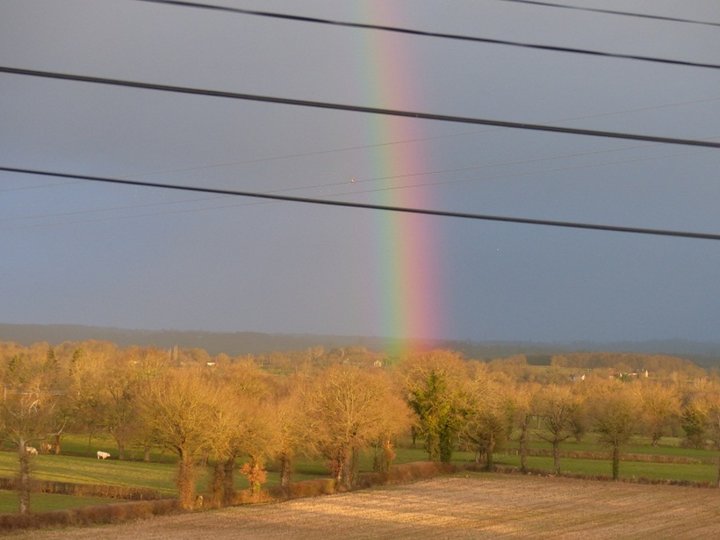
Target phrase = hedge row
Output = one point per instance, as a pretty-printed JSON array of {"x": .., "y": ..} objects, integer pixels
[
  {"x": 105, "y": 513},
  {"x": 600, "y": 477},
  {"x": 398, "y": 474},
  {"x": 645, "y": 458},
  {"x": 86, "y": 490}
]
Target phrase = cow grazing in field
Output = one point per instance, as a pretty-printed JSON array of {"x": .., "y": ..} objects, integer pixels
[
  {"x": 31, "y": 450},
  {"x": 102, "y": 455},
  {"x": 46, "y": 448}
]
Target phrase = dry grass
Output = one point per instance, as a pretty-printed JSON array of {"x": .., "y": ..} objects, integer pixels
[{"x": 477, "y": 506}]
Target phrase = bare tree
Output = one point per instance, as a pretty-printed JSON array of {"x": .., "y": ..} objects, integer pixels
[
  {"x": 347, "y": 410},
  {"x": 244, "y": 426},
  {"x": 707, "y": 406},
  {"x": 554, "y": 405},
  {"x": 488, "y": 416},
  {"x": 182, "y": 409},
  {"x": 86, "y": 386},
  {"x": 289, "y": 414},
  {"x": 29, "y": 411},
  {"x": 660, "y": 406},
  {"x": 522, "y": 401},
  {"x": 616, "y": 409}
]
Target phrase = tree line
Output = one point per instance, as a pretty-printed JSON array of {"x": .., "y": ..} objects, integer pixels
[{"x": 244, "y": 413}]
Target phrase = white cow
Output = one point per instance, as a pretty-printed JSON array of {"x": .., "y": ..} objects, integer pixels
[
  {"x": 31, "y": 450},
  {"x": 102, "y": 455}
]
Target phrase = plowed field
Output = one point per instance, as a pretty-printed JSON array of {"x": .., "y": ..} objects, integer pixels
[{"x": 480, "y": 506}]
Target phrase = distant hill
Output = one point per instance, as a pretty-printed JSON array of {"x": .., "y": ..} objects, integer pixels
[
  {"x": 232, "y": 343},
  {"x": 239, "y": 343},
  {"x": 704, "y": 354}
]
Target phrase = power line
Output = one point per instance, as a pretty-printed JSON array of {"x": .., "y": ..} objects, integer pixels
[
  {"x": 613, "y": 12},
  {"x": 354, "y": 108},
  {"x": 108, "y": 209},
  {"x": 40, "y": 186},
  {"x": 400, "y": 142},
  {"x": 501, "y": 176},
  {"x": 354, "y": 192},
  {"x": 366, "y": 206},
  {"x": 386, "y": 144},
  {"x": 426, "y": 33}
]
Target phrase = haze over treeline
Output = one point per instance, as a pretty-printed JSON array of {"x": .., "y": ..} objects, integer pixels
[{"x": 239, "y": 343}]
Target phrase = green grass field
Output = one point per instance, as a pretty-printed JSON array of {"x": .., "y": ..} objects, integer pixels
[
  {"x": 46, "y": 502},
  {"x": 62, "y": 468},
  {"x": 628, "y": 469},
  {"x": 705, "y": 471},
  {"x": 669, "y": 446},
  {"x": 82, "y": 467}
]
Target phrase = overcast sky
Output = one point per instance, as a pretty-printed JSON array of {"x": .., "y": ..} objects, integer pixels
[{"x": 75, "y": 252}]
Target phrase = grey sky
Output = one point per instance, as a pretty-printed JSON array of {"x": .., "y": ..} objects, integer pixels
[{"x": 75, "y": 252}]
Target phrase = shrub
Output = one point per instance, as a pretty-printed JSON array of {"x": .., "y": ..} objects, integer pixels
[
  {"x": 105, "y": 513},
  {"x": 420, "y": 470},
  {"x": 312, "y": 488}
]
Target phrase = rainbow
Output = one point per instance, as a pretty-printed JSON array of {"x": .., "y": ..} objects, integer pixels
[{"x": 408, "y": 270}]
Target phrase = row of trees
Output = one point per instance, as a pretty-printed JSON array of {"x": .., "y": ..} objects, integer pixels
[{"x": 334, "y": 405}]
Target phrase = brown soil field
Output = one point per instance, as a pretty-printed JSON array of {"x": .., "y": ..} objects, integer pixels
[{"x": 476, "y": 506}]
